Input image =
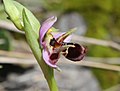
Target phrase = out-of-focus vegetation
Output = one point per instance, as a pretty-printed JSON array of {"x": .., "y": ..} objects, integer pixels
[
  {"x": 6, "y": 40},
  {"x": 102, "y": 18}
]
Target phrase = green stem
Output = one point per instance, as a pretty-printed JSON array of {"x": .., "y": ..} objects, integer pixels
[
  {"x": 49, "y": 75},
  {"x": 48, "y": 71},
  {"x": 52, "y": 84}
]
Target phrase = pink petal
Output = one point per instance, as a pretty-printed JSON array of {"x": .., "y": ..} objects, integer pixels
[
  {"x": 68, "y": 39},
  {"x": 47, "y": 59},
  {"x": 60, "y": 34},
  {"x": 46, "y": 26},
  {"x": 57, "y": 35}
]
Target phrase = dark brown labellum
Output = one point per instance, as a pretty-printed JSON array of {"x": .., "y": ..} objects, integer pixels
[{"x": 75, "y": 53}]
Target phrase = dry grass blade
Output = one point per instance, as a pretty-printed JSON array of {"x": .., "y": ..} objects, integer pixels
[
  {"x": 10, "y": 26},
  {"x": 30, "y": 60},
  {"x": 12, "y": 60},
  {"x": 113, "y": 60},
  {"x": 96, "y": 41},
  {"x": 93, "y": 64},
  {"x": 16, "y": 54},
  {"x": 99, "y": 65},
  {"x": 82, "y": 63}
]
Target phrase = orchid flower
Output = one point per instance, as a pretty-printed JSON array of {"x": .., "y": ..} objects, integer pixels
[{"x": 55, "y": 45}]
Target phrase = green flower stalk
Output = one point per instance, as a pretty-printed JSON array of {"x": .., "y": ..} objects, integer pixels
[{"x": 35, "y": 47}]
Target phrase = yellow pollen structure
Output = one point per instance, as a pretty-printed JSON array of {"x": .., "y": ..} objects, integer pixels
[{"x": 49, "y": 31}]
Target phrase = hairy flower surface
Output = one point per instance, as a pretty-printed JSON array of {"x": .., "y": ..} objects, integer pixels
[{"x": 55, "y": 45}]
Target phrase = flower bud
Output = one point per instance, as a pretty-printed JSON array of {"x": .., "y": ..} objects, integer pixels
[{"x": 13, "y": 13}]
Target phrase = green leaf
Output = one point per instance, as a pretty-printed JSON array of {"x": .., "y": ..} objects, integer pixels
[
  {"x": 13, "y": 13},
  {"x": 31, "y": 36},
  {"x": 5, "y": 40}
]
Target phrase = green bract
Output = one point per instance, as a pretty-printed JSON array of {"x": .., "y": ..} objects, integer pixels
[{"x": 14, "y": 11}]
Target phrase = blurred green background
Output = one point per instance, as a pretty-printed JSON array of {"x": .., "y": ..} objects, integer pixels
[{"x": 102, "y": 21}]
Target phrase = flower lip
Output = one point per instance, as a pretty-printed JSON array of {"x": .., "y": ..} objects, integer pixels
[{"x": 75, "y": 53}]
